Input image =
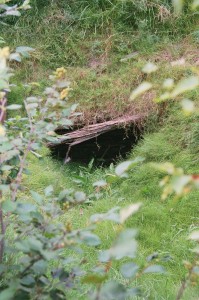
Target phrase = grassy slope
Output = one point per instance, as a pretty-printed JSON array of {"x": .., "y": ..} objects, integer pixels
[{"x": 163, "y": 226}]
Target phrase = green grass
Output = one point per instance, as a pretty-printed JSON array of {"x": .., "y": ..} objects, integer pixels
[
  {"x": 163, "y": 226},
  {"x": 74, "y": 41},
  {"x": 101, "y": 82}
]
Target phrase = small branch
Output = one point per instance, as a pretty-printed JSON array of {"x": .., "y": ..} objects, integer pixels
[
  {"x": 30, "y": 265},
  {"x": 3, "y": 229},
  {"x": 20, "y": 173},
  {"x": 3, "y": 103},
  {"x": 23, "y": 160},
  {"x": 182, "y": 289},
  {"x": 185, "y": 282}
]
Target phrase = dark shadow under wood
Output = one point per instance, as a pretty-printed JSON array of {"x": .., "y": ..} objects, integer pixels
[{"x": 104, "y": 142}]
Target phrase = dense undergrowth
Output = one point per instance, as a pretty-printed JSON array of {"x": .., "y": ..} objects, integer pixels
[{"x": 91, "y": 38}]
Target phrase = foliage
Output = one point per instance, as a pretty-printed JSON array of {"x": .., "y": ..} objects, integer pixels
[
  {"x": 46, "y": 248},
  {"x": 13, "y": 10},
  {"x": 38, "y": 242}
]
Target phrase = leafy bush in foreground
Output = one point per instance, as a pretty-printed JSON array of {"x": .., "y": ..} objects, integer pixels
[{"x": 46, "y": 264}]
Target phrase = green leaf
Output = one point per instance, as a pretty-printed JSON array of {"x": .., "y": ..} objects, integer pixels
[
  {"x": 133, "y": 292},
  {"x": 2, "y": 267},
  {"x": 48, "y": 191},
  {"x": 126, "y": 212},
  {"x": 3, "y": 84},
  {"x": 37, "y": 197},
  {"x": 154, "y": 269},
  {"x": 27, "y": 280},
  {"x": 194, "y": 235},
  {"x": 31, "y": 106},
  {"x": 5, "y": 147},
  {"x": 80, "y": 196},
  {"x": 179, "y": 182},
  {"x": 111, "y": 178},
  {"x": 4, "y": 187},
  {"x": 141, "y": 89},
  {"x": 49, "y": 255},
  {"x": 195, "y": 4},
  {"x": 23, "y": 50},
  {"x": 94, "y": 279},
  {"x": 149, "y": 68},
  {"x": 36, "y": 216},
  {"x": 122, "y": 168},
  {"x": 129, "y": 270},
  {"x": 188, "y": 106},
  {"x": 29, "y": 244},
  {"x": 178, "y": 5},
  {"x": 14, "y": 107},
  {"x": 6, "y": 168},
  {"x": 100, "y": 183},
  {"x": 35, "y": 244},
  {"x": 63, "y": 194},
  {"x": 13, "y": 12},
  {"x": 168, "y": 83},
  {"x": 104, "y": 256},
  {"x": 15, "y": 56},
  {"x": 125, "y": 245},
  {"x": 7, "y": 294},
  {"x": 113, "y": 291},
  {"x": 90, "y": 239},
  {"x": 40, "y": 267},
  {"x": 196, "y": 270},
  {"x": 25, "y": 5},
  {"x": 9, "y": 206},
  {"x": 196, "y": 250},
  {"x": 23, "y": 208},
  {"x": 23, "y": 246},
  {"x": 111, "y": 215},
  {"x": 2, "y": 41},
  {"x": 185, "y": 85}
]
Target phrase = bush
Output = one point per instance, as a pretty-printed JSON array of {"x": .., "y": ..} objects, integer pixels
[{"x": 46, "y": 263}]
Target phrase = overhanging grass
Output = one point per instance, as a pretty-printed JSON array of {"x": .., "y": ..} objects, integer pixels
[
  {"x": 101, "y": 82},
  {"x": 103, "y": 85}
]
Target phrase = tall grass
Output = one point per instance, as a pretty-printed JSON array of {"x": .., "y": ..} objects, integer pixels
[
  {"x": 125, "y": 15},
  {"x": 122, "y": 15},
  {"x": 64, "y": 31}
]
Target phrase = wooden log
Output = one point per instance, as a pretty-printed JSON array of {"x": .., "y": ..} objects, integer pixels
[
  {"x": 92, "y": 131},
  {"x": 95, "y": 137}
]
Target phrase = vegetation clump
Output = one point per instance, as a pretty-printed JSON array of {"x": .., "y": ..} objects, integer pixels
[{"x": 81, "y": 232}]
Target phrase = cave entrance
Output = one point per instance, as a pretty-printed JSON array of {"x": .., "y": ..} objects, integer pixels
[{"x": 104, "y": 142}]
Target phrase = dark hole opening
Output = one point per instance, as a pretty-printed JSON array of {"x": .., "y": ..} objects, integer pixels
[{"x": 105, "y": 149}]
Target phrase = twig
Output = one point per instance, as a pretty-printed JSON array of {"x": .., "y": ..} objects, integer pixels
[
  {"x": 30, "y": 265},
  {"x": 3, "y": 229},
  {"x": 3, "y": 103},
  {"x": 23, "y": 160},
  {"x": 183, "y": 287},
  {"x": 19, "y": 175},
  {"x": 186, "y": 280}
]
